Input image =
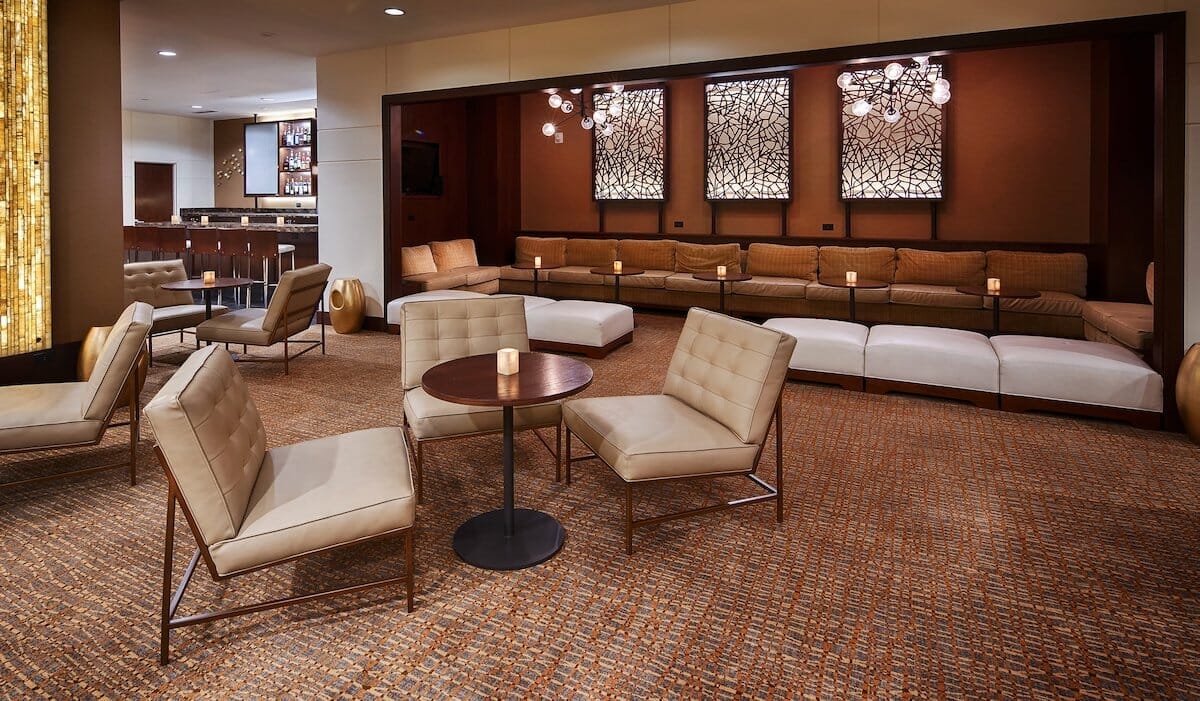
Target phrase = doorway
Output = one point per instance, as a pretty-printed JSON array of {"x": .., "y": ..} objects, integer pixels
[{"x": 153, "y": 191}]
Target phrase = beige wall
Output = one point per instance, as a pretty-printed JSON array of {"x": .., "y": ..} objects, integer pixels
[
  {"x": 350, "y": 85},
  {"x": 184, "y": 142}
]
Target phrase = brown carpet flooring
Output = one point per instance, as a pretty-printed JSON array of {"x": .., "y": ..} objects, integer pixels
[{"x": 929, "y": 550}]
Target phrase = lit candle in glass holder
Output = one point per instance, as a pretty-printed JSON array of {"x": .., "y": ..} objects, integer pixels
[
  {"x": 175, "y": 219},
  {"x": 210, "y": 277},
  {"x": 720, "y": 271},
  {"x": 278, "y": 221},
  {"x": 537, "y": 261},
  {"x": 851, "y": 277},
  {"x": 616, "y": 266},
  {"x": 203, "y": 220},
  {"x": 993, "y": 284},
  {"x": 508, "y": 361},
  {"x": 245, "y": 220}
]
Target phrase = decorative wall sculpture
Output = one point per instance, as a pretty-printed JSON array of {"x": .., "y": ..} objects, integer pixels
[
  {"x": 747, "y": 131},
  {"x": 894, "y": 150},
  {"x": 630, "y": 162},
  {"x": 24, "y": 180}
]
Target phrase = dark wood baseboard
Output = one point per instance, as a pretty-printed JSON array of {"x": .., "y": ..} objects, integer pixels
[
  {"x": 370, "y": 323},
  {"x": 848, "y": 382},
  {"x": 983, "y": 400},
  {"x": 589, "y": 351},
  {"x": 1139, "y": 418}
]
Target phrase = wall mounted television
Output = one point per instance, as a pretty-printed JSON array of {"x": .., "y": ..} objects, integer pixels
[{"x": 420, "y": 168}]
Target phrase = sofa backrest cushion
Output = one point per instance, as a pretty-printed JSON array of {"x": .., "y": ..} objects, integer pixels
[
  {"x": 1045, "y": 272},
  {"x": 459, "y": 253},
  {"x": 553, "y": 250},
  {"x": 870, "y": 262},
  {"x": 212, "y": 437},
  {"x": 295, "y": 300},
  {"x": 777, "y": 260},
  {"x": 705, "y": 257},
  {"x": 1150, "y": 282},
  {"x": 416, "y": 260},
  {"x": 432, "y": 332},
  {"x": 143, "y": 283},
  {"x": 917, "y": 267},
  {"x": 729, "y": 370},
  {"x": 648, "y": 255},
  {"x": 591, "y": 252},
  {"x": 116, "y": 362}
]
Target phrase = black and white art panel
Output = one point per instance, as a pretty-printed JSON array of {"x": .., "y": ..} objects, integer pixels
[
  {"x": 748, "y": 125},
  {"x": 630, "y": 149}
]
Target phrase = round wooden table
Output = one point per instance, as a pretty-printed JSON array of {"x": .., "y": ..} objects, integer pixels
[
  {"x": 625, "y": 272},
  {"x": 862, "y": 284},
  {"x": 1003, "y": 293},
  {"x": 530, "y": 266},
  {"x": 728, "y": 277},
  {"x": 221, "y": 283},
  {"x": 507, "y": 538}
]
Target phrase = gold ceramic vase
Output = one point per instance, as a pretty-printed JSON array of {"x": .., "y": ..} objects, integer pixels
[
  {"x": 347, "y": 305},
  {"x": 89, "y": 353},
  {"x": 1187, "y": 392}
]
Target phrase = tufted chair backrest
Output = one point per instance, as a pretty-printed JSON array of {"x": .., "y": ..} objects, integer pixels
[
  {"x": 291, "y": 309},
  {"x": 730, "y": 370},
  {"x": 439, "y": 330},
  {"x": 212, "y": 437},
  {"x": 116, "y": 363},
  {"x": 143, "y": 280}
]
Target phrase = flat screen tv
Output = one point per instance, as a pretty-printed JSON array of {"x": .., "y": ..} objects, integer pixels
[{"x": 419, "y": 168}]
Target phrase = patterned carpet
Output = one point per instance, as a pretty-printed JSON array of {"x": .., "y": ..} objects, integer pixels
[{"x": 929, "y": 550}]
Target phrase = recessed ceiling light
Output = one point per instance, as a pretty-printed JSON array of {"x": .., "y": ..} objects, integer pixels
[
  {"x": 394, "y": 11},
  {"x": 267, "y": 99},
  {"x": 197, "y": 107},
  {"x": 166, "y": 52}
]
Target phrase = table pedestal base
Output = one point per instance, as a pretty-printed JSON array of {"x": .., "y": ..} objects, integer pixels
[{"x": 481, "y": 540}]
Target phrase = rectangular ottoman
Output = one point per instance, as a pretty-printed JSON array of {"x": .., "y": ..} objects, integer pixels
[
  {"x": 1104, "y": 380},
  {"x": 827, "y": 351},
  {"x": 394, "y": 306},
  {"x": 575, "y": 326},
  {"x": 949, "y": 363}
]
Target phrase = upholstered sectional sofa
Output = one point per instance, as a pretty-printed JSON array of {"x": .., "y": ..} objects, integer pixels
[
  {"x": 921, "y": 283},
  {"x": 1124, "y": 324},
  {"x": 446, "y": 265}
]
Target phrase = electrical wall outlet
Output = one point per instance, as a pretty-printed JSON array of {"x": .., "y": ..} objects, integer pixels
[
  {"x": 558, "y": 137},
  {"x": 678, "y": 223},
  {"x": 827, "y": 227}
]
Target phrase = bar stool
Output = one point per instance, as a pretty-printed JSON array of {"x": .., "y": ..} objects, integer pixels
[
  {"x": 148, "y": 241},
  {"x": 288, "y": 249},
  {"x": 173, "y": 240},
  {"x": 264, "y": 247},
  {"x": 204, "y": 242},
  {"x": 130, "y": 237},
  {"x": 234, "y": 246}
]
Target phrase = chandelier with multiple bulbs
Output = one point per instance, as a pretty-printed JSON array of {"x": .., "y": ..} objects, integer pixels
[
  {"x": 887, "y": 91},
  {"x": 572, "y": 103}
]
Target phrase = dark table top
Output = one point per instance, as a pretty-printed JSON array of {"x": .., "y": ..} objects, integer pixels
[
  {"x": 530, "y": 266},
  {"x": 473, "y": 380},
  {"x": 862, "y": 284},
  {"x": 728, "y": 277},
  {"x": 195, "y": 283},
  {"x": 1004, "y": 293},
  {"x": 625, "y": 270}
]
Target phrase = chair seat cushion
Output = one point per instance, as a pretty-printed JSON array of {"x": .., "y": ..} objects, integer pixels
[
  {"x": 827, "y": 293},
  {"x": 684, "y": 282},
  {"x": 770, "y": 286},
  {"x": 1050, "y": 304},
  {"x": 824, "y": 345},
  {"x": 651, "y": 437},
  {"x": 394, "y": 306},
  {"x": 575, "y": 275},
  {"x": 285, "y": 248},
  {"x": 932, "y": 356},
  {"x": 182, "y": 316},
  {"x": 240, "y": 326},
  {"x": 44, "y": 416},
  {"x": 319, "y": 494},
  {"x": 431, "y": 417},
  {"x": 446, "y": 280},
  {"x": 933, "y": 296},
  {"x": 1071, "y": 370},
  {"x": 579, "y": 322}
]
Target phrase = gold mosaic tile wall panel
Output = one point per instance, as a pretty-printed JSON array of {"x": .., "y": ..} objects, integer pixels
[{"x": 24, "y": 179}]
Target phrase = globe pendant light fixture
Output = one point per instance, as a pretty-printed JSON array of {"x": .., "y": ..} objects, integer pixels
[
  {"x": 570, "y": 103},
  {"x": 886, "y": 89}
]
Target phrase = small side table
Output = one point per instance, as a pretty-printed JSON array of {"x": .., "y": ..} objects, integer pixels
[
  {"x": 862, "y": 284},
  {"x": 626, "y": 271},
  {"x": 221, "y": 283},
  {"x": 722, "y": 279},
  {"x": 529, "y": 266},
  {"x": 1003, "y": 293}
]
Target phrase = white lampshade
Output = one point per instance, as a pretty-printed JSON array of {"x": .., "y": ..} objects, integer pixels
[
  {"x": 587, "y": 123},
  {"x": 614, "y": 109},
  {"x": 893, "y": 71},
  {"x": 567, "y": 107},
  {"x": 548, "y": 129},
  {"x": 921, "y": 60},
  {"x": 576, "y": 91},
  {"x": 861, "y": 108},
  {"x": 607, "y": 130},
  {"x": 845, "y": 80},
  {"x": 618, "y": 89},
  {"x": 941, "y": 84},
  {"x": 600, "y": 117},
  {"x": 940, "y": 97},
  {"x": 891, "y": 115},
  {"x": 555, "y": 100}
]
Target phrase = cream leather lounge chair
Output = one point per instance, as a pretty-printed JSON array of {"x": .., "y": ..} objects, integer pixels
[
  {"x": 173, "y": 310},
  {"x": 291, "y": 310},
  {"x": 724, "y": 385},
  {"x": 436, "y": 331},
  {"x": 249, "y": 507},
  {"x": 70, "y": 414}
]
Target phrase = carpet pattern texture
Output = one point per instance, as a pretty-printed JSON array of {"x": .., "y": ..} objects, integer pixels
[{"x": 929, "y": 550}]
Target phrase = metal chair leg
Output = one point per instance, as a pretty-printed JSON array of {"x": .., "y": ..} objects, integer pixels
[
  {"x": 558, "y": 452},
  {"x": 568, "y": 461},
  {"x": 164, "y": 631},
  {"x": 628, "y": 519},
  {"x": 408, "y": 566},
  {"x": 420, "y": 472},
  {"x": 779, "y": 459}
]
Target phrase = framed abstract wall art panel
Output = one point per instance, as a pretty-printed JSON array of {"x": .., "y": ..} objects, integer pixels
[{"x": 747, "y": 139}]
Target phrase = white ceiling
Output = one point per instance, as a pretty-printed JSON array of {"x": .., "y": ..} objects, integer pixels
[{"x": 234, "y": 53}]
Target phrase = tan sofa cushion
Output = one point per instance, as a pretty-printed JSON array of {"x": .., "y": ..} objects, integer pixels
[
  {"x": 1131, "y": 325},
  {"x": 684, "y": 282},
  {"x": 117, "y": 358},
  {"x": 479, "y": 274},
  {"x": 451, "y": 255},
  {"x": 827, "y": 293},
  {"x": 575, "y": 275},
  {"x": 44, "y": 416},
  {"x": 933, "y": 296},
  {"x": 143, "y": 283},
  {"x": 651, "y": 279},
  {"x": 940, "y": 267},
  {"x": 648, "y": 255},
  {"x": 319, "y": 494},
  {"x": 776, "y": 260},
  {"x": 1050, "y": 304},
  {"x": 1045, "y": 272},
  {"x": 432, "y": 332},
  {"x": 431, "y": 417},
  {"x": 768, "y": 286},
  {"x": 213, "y": 439},
  {"x": 427, "y": 282},
  {"x": 1150, "y": 282},
  {"x": 591, "y": 252},
  {"x": 552, "y": 250},
  {"x": 416, "y": 260},
  {"x": 704, "y": 257},
  {"x": 870, "y": 262}
]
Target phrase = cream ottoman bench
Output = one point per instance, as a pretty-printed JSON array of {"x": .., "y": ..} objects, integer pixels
[
  {"x": 594, "y": 329},
  {"x": 827, "y": 351},
  {"x": 1079, "y": 377},
  {"x": 949, "y": 363},
  {"x": 394, "y": 306}
]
